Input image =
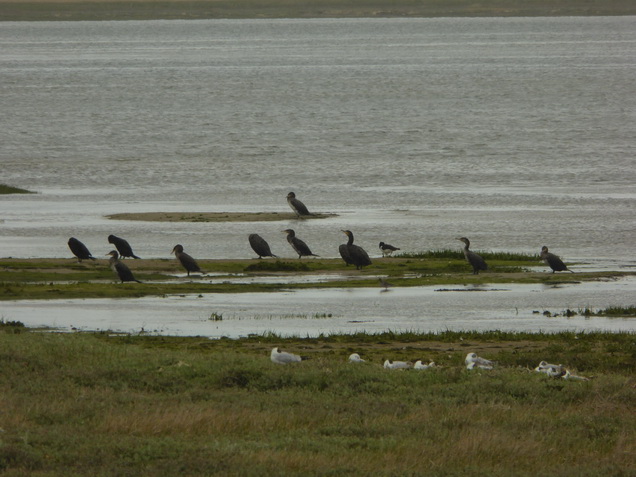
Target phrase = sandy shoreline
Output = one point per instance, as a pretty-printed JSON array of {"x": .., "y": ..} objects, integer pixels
[{"x": 213, "y": 216}]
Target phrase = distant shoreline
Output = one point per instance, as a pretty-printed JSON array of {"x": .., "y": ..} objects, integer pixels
[{"x": 99, "y": 10}]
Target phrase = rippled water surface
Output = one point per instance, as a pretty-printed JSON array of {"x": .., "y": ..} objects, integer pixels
[{"x": 515, "y": 132}]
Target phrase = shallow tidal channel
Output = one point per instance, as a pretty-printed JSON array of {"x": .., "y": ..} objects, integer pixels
[{"x": 311, "y": 312}]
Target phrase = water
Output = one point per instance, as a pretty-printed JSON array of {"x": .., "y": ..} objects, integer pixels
[
  {"x": 515, "y": 132},
  {"x": 348, "y": 310}
]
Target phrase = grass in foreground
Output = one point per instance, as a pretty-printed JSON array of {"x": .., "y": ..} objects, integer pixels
[{"x": 82, "y": 404}]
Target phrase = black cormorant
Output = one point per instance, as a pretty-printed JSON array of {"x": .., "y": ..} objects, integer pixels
[
  {"x": 189, "y": 263},
  {"x": 475, "y": 260},
  {"x": 387, "y": 249},
  {"x": 553, "y": 261},
  {"x": 344, "y": 253},
  {"x": 296, "y": 205},
  {"x": 79, "y": 250},
  {"x": 357, "y": 254},
  {"x": 120, "y": 268},
  {"x": 122, "y": 246},
  {"x": 260, "y": 246},
  {"x": 298, "y": 245}
]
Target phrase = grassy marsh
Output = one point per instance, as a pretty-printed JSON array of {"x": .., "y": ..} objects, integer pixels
[
  {"x": 65, "y": 278},
  {"x": 81, "y": 404}
]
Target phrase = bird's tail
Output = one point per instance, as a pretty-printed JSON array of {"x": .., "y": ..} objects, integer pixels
[{"x": 135, "y": 256}]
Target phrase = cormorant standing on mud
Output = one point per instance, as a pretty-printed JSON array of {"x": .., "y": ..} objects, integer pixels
[
  {"x": 301, "y": 248},
  {"x": 79, "y": 250},
  {"x": 356, "y": 254},
  {"x": 260, "y": 246},
  {"x": 120, "y": 268},
  {"x": 475, "y": 260},
  {"x": 187, "y": 262}
]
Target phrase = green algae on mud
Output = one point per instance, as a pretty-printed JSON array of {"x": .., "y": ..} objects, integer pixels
[{"x": 214, "y": 216}]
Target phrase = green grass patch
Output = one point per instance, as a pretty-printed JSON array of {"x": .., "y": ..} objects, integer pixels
[
  {"x": 101, "y": 404},
  {"x": 618, "y": 311},
  {"x": 455, "y": 254}
]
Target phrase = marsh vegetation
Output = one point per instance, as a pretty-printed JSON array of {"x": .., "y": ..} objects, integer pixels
[
  {"x": 66, "y": 278},
  {"x": 103, "y": 404}
]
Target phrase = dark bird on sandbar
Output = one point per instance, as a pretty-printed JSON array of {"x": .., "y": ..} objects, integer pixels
[
  {"x": 356, "y": 254},
  {"x": 260, "y": 246},
  {"x": 187, "y": 262},
  {"x": 120, "y": 268},
  {"x": 387, "y": 249},
  {"x": 301, "y": 248},
  {"x": 79, "y": 250},
  {"x": 474, "y": 259},
  {"x": 122, "y": 246},
  {"x": 553, "y": 261},
  {"x": 296, "y": 205}
]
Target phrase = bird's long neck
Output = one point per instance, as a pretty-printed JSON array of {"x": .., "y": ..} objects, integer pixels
[{"x": 350, "y": 241}]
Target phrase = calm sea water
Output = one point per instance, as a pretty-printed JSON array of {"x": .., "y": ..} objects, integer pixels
[{"x": 515, "y": 132}]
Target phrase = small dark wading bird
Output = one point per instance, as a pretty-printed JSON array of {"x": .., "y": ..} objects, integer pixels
[
  {"x": 298, "y": 245},
  {"x": 260, "y": 246},
  {"x": 353, "y": 254},
  {"x": 387, "y": 249},
  {"x": 122, "y": 246},
  {"x": 475, "y": 260},
  {"x": 385, "y": 284},
  {"x": 120, "y": 268},
  {"x": 187, "y": 262},
  {"x": 553, "y": 261},
  {"x": 296, "y": 205},
  {"x": 79, "y": 250}
]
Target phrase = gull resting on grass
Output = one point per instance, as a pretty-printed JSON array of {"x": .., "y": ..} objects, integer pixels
[{"x": 283, "y": 357}]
